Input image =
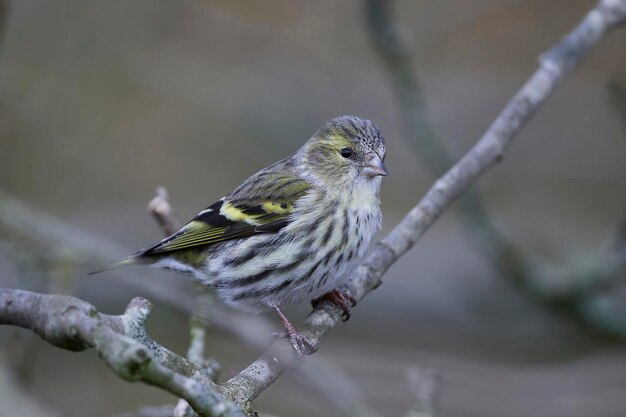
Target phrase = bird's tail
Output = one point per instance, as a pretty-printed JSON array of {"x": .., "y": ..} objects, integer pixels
[{"x": 130, "y": 260}]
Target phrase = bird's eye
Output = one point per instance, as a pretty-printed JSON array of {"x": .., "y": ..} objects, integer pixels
[{"x": 346, "y": 152}]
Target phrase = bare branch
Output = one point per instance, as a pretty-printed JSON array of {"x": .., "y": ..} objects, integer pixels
[
  {"x": 554, "y": 66},
  {"x": 121, "y": 341}
]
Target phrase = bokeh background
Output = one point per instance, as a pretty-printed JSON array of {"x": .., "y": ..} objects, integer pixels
[{"x": 102, "y": 101}]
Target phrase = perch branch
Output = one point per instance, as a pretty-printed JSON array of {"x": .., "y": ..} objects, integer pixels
[{"x": 554, "y": 66}]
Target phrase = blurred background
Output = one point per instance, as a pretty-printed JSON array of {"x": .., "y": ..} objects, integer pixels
[{"x": 102, "y": 101}]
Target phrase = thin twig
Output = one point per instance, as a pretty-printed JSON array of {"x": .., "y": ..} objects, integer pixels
[
  {"x": 159, "y": 207},
  {"x": 195, "y": 353},
  {"x": 161, "y": 210}
]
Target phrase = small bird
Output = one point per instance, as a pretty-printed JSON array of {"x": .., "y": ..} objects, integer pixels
[{"x": 292, "y": 231}]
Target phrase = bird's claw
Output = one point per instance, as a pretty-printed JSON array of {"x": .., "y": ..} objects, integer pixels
[
  {"x": 341, "y": 299},
  {"x": 300, "y": 343}
]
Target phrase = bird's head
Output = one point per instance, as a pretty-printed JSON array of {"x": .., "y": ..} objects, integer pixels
[{"x": 346, "y": 149}]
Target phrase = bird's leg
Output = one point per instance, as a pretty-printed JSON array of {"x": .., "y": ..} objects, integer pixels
[
  {"x": 300, "y": 343},
  {"x": 341, "y": 299}
]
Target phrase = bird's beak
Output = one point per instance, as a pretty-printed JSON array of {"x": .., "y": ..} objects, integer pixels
[{"x": 374, "y": 166}]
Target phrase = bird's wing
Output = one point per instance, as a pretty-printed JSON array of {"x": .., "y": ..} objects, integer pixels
[{"x": 262, "y": 204}]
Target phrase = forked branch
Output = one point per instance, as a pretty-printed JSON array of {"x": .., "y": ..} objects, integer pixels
[{"x": 122, "y": 343}]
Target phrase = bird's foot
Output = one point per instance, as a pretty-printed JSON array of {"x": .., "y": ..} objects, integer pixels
[
  {"x": 300, "y": 343},
  {"x": 341, "y": 299}
]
